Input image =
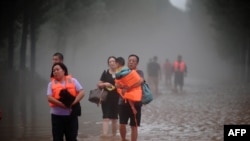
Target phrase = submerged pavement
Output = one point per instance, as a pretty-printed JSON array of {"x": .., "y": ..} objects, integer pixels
[{"x": 197, "y": 114}]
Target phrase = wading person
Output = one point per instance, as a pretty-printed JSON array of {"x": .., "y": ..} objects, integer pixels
[
  {"x": 110, "y": 105},
  {"x": 58, "y": 58},
  {"x": 130, "y": 108},
  {"x": 64, "y": 121},
  {"x": 180, "y": 70},
  {"x": 168, "y": 71},
  {"x": 154, "y": 75}
]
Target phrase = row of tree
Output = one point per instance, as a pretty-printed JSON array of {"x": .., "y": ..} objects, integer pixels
[
  {"x": 231, "y": 23},
  {"x": 20, "y": 18},
  {"x": 21, "y": 21}
]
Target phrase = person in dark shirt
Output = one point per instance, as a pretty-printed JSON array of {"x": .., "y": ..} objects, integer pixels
[
  {"x": 154, "y": 75},
  {"x": 110, "y": 106}
]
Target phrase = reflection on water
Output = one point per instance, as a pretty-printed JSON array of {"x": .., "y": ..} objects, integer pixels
[
  {"x": 197, "y": 114},
  {"x": 26, "y": 114}
]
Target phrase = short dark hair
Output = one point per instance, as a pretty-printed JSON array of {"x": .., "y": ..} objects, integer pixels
[
  {"x": 110, "y": 58},
  {"x": 60, "y": 55},
  {"x": 120, "y": 61},
  {"x": 136, "y": 56},
  {"x": 63, "y": 66}
]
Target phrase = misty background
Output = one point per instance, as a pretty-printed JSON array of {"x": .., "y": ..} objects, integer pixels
[
  {"x": 89, "y": 31},
  {"x": 212, "y": 38},
  {"x": 144, "y": 28}
]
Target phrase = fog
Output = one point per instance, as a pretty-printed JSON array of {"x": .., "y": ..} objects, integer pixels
[{"x": 145, "y": 28}]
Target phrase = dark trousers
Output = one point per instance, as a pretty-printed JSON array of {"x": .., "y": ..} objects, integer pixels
[{"x": 64, "y": 125}]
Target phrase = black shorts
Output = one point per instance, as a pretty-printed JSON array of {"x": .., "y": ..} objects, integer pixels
[{"x": 126, "y": 113}]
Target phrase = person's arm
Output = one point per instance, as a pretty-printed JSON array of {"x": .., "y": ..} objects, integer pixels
[
  {"x": 141, "y": 80},
  {"x": 51, "y": 99},
  {"x": 135, "y": 85},
  {"x": 80, "y": 93},
  {"x": 125, "y": 88},
  {"x": 102, "y": 83},
  {"x": 118, "y": 85},
  {"x": 79, "y": 97}
]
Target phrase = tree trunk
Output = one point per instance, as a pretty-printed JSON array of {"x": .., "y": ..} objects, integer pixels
[
  {"x": 24, "y": 38},
  {"x": 247, "y": 59},
  {"x": 11, "y": 43},
  {"x": 33, "y": 44}
]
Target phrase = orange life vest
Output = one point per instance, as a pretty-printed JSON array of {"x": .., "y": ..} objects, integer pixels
[
  {"x": 57, "y": 87},
  {"x": 135, "y": 94},
  {"x": 179, "y": 66}
]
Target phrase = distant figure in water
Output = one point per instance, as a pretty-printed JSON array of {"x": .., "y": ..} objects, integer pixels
[
  {"x": 154, "y": 75},
  {"x": 168, "y": 72},
  {"x": 180, "y": 70}
]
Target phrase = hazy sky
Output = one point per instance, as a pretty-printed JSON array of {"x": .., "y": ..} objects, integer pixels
[
  {"x": 181, "y": 4},
  {"x": 140, "y": 28}
]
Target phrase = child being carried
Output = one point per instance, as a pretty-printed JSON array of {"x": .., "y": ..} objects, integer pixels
[{"x": 128, "y": 83}]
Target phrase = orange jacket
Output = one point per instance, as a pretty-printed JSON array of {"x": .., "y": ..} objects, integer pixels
[
  {"x": 179, "y": 66},
  {"x": 57, "y": 87},
  {"x": 134, "y": 94}
]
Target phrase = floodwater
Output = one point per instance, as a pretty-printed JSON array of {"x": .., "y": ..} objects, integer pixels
[{"x": 197, "y": 114}]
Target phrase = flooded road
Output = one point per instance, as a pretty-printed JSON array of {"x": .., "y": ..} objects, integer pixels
[{"x": 197, "y": 114}]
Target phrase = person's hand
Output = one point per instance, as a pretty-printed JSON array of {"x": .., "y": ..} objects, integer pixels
[
  {"x": 72, "y": 104},
  {"x": 124, "y": 90},
  {"x": 110, "y": 87},
  {"x": 107, "y": 84},
  {"x": 118, "y": 85},
  {"x": 62, "y": 105}
]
